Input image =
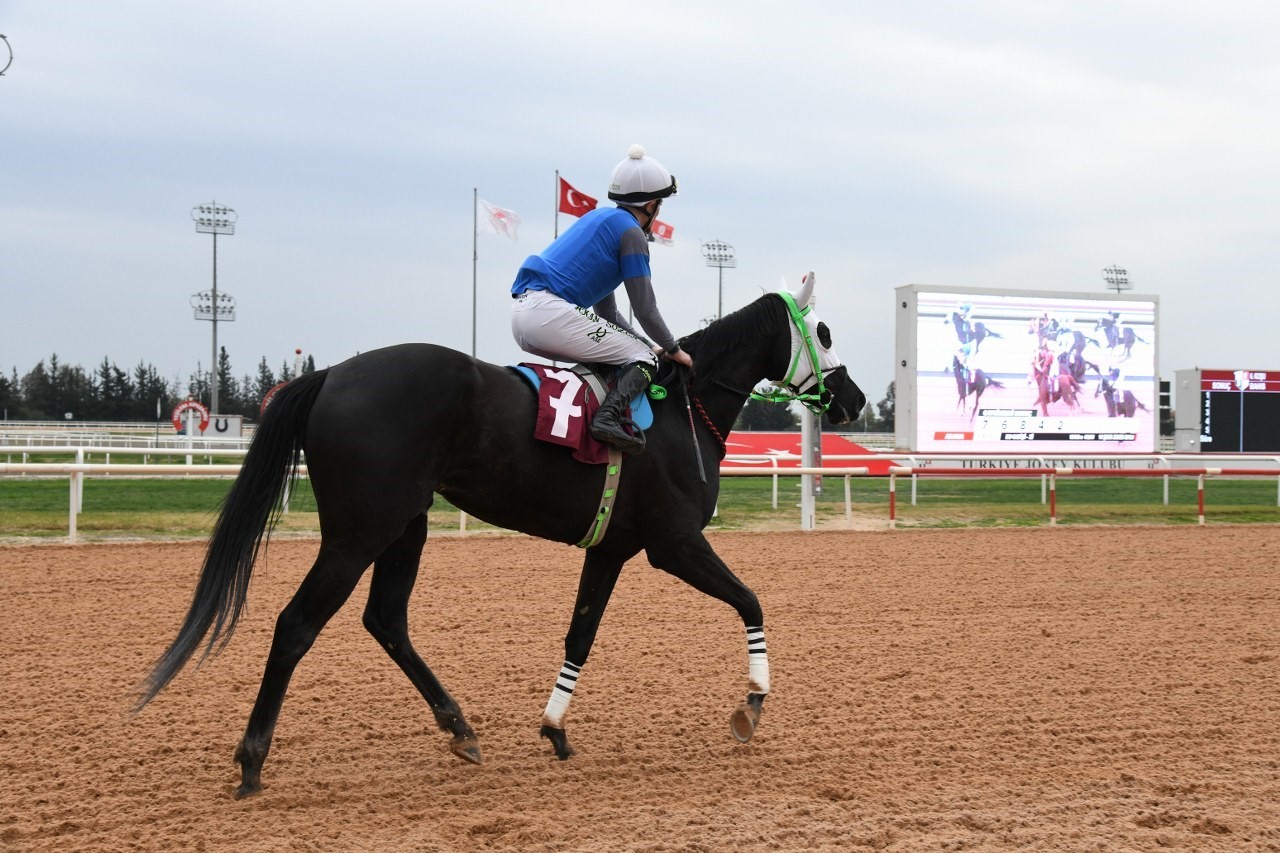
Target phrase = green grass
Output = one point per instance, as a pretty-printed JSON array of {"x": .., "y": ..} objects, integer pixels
[{"x": 118, "y": 507}]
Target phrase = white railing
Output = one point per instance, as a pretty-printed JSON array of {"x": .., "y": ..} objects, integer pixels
[
  {"x": 77, "y": 471},
  {"x": 907, "y": 464}
]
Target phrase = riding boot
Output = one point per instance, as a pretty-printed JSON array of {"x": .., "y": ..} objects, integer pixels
[{"x": 611, "y": 424}]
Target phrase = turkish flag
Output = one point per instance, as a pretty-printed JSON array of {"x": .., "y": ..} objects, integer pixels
[
  {"x": 663, "y": 233},
  {"x": 573, "y": 202}
]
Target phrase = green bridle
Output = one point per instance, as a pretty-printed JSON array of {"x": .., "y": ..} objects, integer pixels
[{"x": 784, "y": 391}]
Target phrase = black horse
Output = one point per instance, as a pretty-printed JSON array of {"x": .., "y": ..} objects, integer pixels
[
  {"x": 1079, "y": 340},
  {"x": 1117, "y": 335},
  {"x": 1076, "y": 365},
  {"x": 386, "y": 430},
  {"x": 977, "y": 382},
  {"x": 967, "y": 330},
  {"x": 1120, "y": 403}
]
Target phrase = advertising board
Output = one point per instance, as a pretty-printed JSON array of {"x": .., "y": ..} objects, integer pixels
[{"x": 1003, "y": 371}]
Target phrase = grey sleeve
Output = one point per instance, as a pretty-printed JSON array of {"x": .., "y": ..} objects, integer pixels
[{"x": 644, "y": 304}]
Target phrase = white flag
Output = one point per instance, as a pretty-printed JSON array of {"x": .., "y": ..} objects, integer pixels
[{"x": 492, "y": 219}]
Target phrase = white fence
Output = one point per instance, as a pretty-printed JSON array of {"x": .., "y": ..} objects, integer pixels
[{"x": 845, "y": 466}]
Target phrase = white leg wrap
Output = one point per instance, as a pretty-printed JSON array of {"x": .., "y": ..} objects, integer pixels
[
  {"x": 757, "y": 662},
  {"x": 558, "y": 704}
]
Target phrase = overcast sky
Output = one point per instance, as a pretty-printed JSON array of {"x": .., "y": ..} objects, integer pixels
[{"x": 994, "y": 143}]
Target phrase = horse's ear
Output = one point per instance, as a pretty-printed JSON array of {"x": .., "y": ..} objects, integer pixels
[{"x": 805, "y": 296}]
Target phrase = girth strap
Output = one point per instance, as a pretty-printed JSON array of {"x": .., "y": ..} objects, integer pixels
[{"x": 612, "y": 469}]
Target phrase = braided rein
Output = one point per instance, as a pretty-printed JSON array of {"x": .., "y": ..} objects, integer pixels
[{"x": 706, "y": 419}]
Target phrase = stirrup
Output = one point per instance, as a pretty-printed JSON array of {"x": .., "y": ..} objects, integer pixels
[{"x": 619, "y": 438}]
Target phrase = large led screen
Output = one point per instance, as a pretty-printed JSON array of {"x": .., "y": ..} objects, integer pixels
[{"x": 996, "y": 371}]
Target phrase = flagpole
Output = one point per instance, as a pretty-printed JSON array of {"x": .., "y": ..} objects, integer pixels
[
  {"x": 556, "y": 209},
  {"x": 475, "y": 254}
]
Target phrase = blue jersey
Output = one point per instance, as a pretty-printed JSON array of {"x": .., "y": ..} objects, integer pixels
[{"x": 587, "y": 263}]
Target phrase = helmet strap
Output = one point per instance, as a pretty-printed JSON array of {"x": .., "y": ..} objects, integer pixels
[{"x": 649, "y": 215}]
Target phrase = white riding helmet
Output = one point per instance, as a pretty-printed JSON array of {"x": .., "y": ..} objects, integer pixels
[{"x": 639, "y": 179}]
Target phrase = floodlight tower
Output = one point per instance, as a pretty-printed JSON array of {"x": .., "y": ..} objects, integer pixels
[
  {"x": 719, "y": 254},
  {"x": 1116, "y": 277},
  {"x": 215, "y": 219}
]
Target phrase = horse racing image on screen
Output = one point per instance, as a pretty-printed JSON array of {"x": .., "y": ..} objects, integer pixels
[{"x": 1001, "y": 371}]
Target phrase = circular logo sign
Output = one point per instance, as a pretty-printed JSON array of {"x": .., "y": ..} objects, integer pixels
[
  {"x": 269, "y": 396},
  {"x": 180, "y": 411}
]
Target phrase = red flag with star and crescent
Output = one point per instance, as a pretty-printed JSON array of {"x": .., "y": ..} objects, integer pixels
[
  {"x": 662, "y": 233},
  {"x": 573, "y": 202}
]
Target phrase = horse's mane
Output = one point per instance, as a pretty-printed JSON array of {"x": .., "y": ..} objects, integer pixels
[{"x": 732, "y": 333}]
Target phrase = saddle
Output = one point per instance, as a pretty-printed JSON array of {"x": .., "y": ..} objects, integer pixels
[
  {"x": 568, "y": 398},
  {"x": 567, "y": 401}
]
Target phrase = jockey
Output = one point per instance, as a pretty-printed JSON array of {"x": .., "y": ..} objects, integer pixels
[
  {"x": 1043, "y": 361},
  {"x": 967, "y": 356},
  {"x": 564, "y": 305}
]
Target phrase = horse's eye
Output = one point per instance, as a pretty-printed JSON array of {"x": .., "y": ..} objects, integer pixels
[{"x": 824, "y": 335}]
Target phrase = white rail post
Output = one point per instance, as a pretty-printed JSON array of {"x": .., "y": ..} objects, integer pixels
[
  {"x": 848, "y": 503},
  {"x": 192, "y": 421},
  {"x": 807, "y": 511},
  {"x": 71, "y": 507},
  {"x": 78, "y": 493},
  {"x": 1200, "y": 495}
]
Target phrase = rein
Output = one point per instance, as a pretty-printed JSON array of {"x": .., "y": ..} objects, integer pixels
[
  {"x": 691, "y": 402},
  {"x": 706, "y": 419}
]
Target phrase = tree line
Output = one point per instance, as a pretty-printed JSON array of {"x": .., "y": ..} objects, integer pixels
[{"x": 52, "y": 390}]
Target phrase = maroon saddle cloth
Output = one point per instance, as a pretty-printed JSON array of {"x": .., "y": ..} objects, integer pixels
[{"x": 565, "y": 409}]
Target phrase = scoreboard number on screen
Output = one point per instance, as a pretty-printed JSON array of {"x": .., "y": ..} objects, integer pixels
[{"x": 1022, "y": 425}]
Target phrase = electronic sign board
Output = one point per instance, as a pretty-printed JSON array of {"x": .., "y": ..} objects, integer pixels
[
  {"x": 1003, "y": 371},
  {"x": 1237, "y": 410}
]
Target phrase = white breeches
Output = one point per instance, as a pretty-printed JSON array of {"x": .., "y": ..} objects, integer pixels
[{"x": 548, "y": 326}]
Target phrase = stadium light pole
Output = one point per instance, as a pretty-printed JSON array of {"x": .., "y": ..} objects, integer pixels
[
  {"x": 1116, "y": 277},
  {"x": 215, "y": 219},
  {"x": 719, "y": 254}
]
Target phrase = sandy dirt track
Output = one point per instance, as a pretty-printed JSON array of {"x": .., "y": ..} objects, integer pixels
[{"x": 1046, "y": 689}]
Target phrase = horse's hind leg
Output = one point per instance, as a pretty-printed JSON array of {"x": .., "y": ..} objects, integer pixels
[
  {"x": 386, "y": 616},
  {"x": 600, "y": 572},
  {"x": 326, "y": 587},
  {"x": 693, "y": 561}
]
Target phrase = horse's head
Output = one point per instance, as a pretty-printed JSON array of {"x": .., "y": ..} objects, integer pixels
[{"x": 815, "y": 374}]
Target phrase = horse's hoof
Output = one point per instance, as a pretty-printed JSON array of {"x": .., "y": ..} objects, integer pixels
[
  {"x": 467, "y": 748},
  {"x": 247, "y": 789},
  {"x": 743, "y": 722},
  {"x": 558, "y": 741}
]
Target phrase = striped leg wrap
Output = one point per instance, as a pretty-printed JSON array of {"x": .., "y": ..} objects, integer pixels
[
  {"x": 560, "y": 695},
  {"x": 757, "y": 661}
]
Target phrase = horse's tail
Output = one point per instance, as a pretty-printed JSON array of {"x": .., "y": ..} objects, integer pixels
[
  {"x": 995, "y": 383},
  {"x": 249, "y": 512}
]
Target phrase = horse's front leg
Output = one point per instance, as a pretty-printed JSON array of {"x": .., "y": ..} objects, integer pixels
[
  {"x": 694, "y": 562},
  {"x": 746, "y": 716},
  {"x": 600, "y": 572}
]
